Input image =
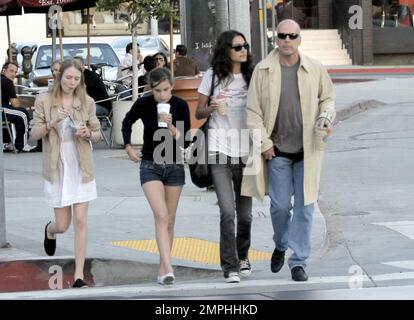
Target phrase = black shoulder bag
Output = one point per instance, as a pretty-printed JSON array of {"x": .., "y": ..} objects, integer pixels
[{"x": 198, "y": 154}]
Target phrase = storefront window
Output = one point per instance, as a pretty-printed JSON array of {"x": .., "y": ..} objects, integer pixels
[{"x": 392, "y": 13}]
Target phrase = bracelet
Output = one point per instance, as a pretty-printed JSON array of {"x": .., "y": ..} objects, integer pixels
[{"x": 325, "y": 115}]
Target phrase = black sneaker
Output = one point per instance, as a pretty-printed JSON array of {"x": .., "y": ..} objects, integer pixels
[
  {"x": 49, "y": 244},
  {"x": 79, "y": 283},
  {"x": 299, "y": 274},
  {"x": 277, "y": 261}
]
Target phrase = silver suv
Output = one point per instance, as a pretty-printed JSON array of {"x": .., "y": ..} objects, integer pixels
[{"x": 102, "y": 55}]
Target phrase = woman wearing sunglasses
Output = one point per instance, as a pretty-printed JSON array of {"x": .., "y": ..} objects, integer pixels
[
  {"x": 160, "y": 60},
  {"x": 227, "y": 82}
]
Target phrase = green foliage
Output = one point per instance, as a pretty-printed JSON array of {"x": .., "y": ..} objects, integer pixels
[{"x": 140, "y": 11}]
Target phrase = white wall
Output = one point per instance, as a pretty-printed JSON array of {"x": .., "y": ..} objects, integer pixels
[{"x": 24, "y": 28}]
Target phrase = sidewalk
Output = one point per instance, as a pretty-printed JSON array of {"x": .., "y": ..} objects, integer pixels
[{"x": 121, "y": 227}]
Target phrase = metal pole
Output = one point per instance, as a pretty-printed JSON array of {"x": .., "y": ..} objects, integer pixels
[
  {"x": 88, "y": 37},
  {"x": 54, "y": 43},
  {"x": 239, "y": 17},
  {"x": 60, "y": 38},
  {"x": 171, "y": 46},
  {"x": 274, "y": 20},
  {"x": 261, "y": 21},
  {"x": 222, "y": 16},
  {"x": 8, "y": 38},
  {"x": 134, "y": 66},
  {"x": 3, "y": 239},
  {"x": 183, "y": 22}
]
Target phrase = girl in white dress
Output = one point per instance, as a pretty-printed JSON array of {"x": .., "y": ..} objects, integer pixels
[{"x": 66, "y": 122}]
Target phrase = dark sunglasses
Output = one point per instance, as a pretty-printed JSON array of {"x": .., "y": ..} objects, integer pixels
[
  {"x": 292, "y": 36},
  {"x": 241, "y": 46}
]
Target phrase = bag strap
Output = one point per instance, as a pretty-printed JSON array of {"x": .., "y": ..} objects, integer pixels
[
  {"x": 211, "y": 92},
  {"x": 212, "y": 84}
]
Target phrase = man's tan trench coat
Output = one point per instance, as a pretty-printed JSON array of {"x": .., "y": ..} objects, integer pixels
[{"x": 316, "y": 97}]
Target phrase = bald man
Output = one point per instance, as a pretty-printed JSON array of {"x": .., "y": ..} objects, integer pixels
[{"x": 290, "y": 98}]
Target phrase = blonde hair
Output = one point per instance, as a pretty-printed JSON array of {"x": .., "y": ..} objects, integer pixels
[{"x": 80, "y": 91}]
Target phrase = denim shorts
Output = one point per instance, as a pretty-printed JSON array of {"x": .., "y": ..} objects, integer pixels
[{"x": 168, "y": 174}]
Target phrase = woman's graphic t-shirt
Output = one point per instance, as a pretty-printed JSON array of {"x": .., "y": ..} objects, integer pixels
[{"x": 228, "y": 132}]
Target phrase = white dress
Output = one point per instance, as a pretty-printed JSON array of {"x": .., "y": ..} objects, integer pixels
[{"x": 68, "y": 188}]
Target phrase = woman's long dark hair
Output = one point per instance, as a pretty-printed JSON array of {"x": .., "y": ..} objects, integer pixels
[{"x": 221, "y": 62}]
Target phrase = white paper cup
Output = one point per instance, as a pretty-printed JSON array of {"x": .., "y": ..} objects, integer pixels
[
  {"x": 222, "y": 106},
  {"x": 162, "y": 108}
]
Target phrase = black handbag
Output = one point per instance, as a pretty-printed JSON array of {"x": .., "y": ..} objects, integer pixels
[
  {"x": 200, "y": 171},
  {"x": 197, "y": 160}
]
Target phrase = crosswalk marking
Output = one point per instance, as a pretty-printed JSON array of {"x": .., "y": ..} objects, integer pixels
[
  {"x": 406, "y": 228},
  {"x": 180, "y": 288},
  {"x": 405, "y": 264}
]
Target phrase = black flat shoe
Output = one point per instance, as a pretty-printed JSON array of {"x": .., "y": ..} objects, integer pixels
[
  {"x": 79, "y": 283},
  {"x": 299, "y": 274},
  {"x": 277, "y": 261},
  {"x": 49, "y": 244}
]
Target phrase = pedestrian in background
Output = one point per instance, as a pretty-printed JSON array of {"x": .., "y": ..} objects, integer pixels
[
  {"x": 125, "y": 71},
  {"x": 54, "y": 69},
  {"x": 184, "y": 66},
  {"x": 65, "y": 120},
  {"x": 162, "y": 174},
  {"x": 290, "y": 98},
  {"x": 96, "y": 89},
  {"x": 13, "y": 110},
  {"x": 228, "y": 145},
  {"x": 149, "y": 64},
  {"x": 161, "y": 60}
]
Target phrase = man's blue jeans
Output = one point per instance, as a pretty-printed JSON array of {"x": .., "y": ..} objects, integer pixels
[{"x": 294, "y": 232}]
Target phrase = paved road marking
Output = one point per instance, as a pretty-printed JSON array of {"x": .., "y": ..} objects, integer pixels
[
  {"x": 406, "y": 228},
  {"x": 405, "y": 264},
  {"x": 181, "y": 288},
  {"x": 197, "y": 250}
]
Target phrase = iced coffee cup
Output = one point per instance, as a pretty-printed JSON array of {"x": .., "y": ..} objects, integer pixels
[
  {"x": 222, "y": 106},
  {"x": 163, "y": 109},
  {"x": 320, "y": 137}
]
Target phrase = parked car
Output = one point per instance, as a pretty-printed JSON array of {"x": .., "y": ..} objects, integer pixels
[
  {"x": 148, "y": 45},
  {"x": 102, "y": 54}
]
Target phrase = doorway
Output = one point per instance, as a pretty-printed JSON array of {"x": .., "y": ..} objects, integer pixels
[{"x": 304, "y": 12}]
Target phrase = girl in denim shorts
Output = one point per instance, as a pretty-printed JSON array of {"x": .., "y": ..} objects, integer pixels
[{"x": 166, "y": 120}]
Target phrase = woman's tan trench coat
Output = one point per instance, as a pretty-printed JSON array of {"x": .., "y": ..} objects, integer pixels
[{"x": 316, "y": 96}]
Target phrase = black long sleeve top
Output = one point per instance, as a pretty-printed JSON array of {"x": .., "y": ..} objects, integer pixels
[{"x": 145, "y": 109}]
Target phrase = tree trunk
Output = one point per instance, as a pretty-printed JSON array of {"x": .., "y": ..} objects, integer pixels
[{"x": 134, "y": 66}]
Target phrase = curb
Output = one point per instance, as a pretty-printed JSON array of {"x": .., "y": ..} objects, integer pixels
[
  {"x": 44, "y": 274},
  {"x": 372, "y": 70}
]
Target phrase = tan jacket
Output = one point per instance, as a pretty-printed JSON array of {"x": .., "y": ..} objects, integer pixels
[
  {"x": 44, "y": 113},
  {"x": 316, "y": 95}
]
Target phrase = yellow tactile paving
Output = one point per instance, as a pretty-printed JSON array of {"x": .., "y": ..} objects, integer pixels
[{"x": 191, "y": 249}]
